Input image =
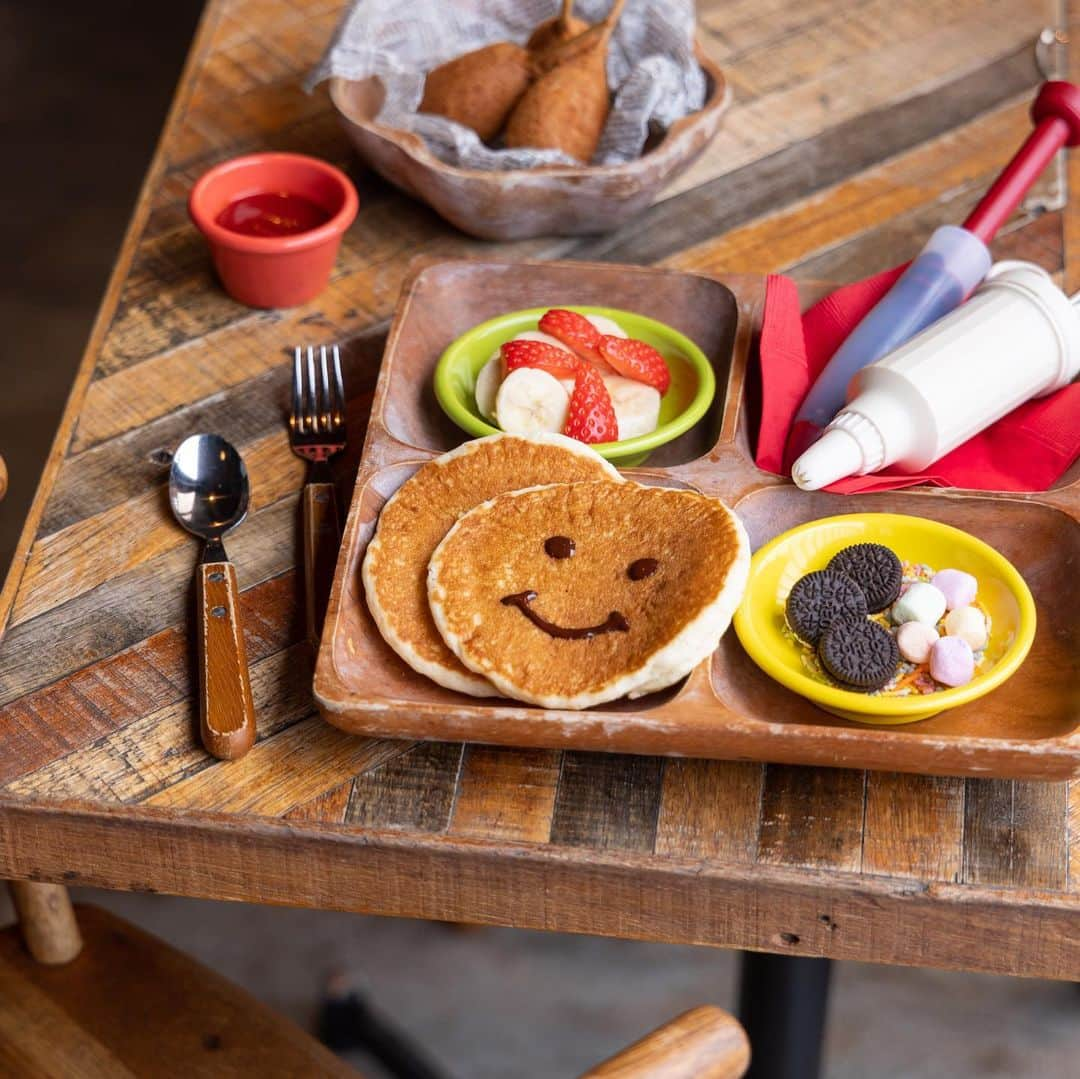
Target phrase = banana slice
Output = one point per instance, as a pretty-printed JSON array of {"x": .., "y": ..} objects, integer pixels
[
  {"x": 530, "y": 401},
  {"x": 490, "y": 375},
  {"x": 607, "y": 325},
  {"x": 637, "y": 406},
  {"x": 487, "y": 386}
]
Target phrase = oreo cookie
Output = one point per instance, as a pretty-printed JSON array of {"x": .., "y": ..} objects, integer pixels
[
  {"x": 860, "y": 653},
  {"x": 818, "y": 599},
  {"x": 875, "y": 569}
]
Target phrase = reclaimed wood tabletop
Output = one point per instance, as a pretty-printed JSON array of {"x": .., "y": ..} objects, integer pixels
[{"x": 857, "y": 127}]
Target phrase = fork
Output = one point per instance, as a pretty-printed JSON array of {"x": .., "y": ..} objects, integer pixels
[{"x": 317, "y": 433}]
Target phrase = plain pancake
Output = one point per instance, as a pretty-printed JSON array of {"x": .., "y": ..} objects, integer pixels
[
  {"x": 652, "y": 630},
  {"x": 421, "y": 512}
]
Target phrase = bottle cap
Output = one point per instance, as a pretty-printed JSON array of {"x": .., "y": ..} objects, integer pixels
[{"x": 835, "y": 455}]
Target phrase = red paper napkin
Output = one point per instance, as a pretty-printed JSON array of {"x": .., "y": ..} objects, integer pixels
[{"x": 1027, "y": 450}]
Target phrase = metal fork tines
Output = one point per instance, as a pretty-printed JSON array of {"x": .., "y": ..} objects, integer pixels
[
  {"x": 317, "y": 420},
  {"x": 316, "y": 433}
]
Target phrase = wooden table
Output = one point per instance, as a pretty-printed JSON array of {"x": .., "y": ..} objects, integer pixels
[{"x": 858, "y": 126}]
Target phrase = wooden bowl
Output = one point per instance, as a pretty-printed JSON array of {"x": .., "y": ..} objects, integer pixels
[{"x": 520, "y": 203}]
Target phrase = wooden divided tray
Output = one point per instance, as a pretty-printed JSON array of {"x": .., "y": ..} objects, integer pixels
[{"x": 727, "y": 708}]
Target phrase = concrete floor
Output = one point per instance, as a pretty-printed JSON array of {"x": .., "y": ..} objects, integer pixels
[{"x": 83, "y": 91}]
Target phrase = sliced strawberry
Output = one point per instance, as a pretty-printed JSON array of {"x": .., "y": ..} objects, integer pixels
[
  {"x": 556, "y": 361},
  {"x": 591, "y": 416},
  {"x": 573, "y": 330},
  {"x": 637, "y": 360}
]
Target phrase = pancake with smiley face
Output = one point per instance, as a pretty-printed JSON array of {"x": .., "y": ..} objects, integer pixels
[
  {"x": 419, "y": 514},
  {"x": 574, "y": 594}
]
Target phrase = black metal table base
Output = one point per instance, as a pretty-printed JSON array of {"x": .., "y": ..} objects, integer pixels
[
  {"x": 783, "y": 1000},
  {"x": 347, "y": 1022}
]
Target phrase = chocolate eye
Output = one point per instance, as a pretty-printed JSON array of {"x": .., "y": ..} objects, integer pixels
[
  {"x": 559, "y": 546},
  {"x": 642, "y": 568}
]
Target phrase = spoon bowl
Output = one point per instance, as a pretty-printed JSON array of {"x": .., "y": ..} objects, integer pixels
[{"x": 208, "y": 486}]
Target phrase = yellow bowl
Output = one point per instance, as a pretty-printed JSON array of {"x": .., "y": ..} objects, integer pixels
[{"x": 760, "y": 626}]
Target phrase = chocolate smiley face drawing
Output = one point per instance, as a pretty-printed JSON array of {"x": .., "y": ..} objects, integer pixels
[
  {"x": 564, "y": 547},
  {"x": 572, "y": 594}
]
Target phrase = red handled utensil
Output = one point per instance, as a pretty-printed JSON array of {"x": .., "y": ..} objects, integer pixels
[{"x": 1056, "y": 112}]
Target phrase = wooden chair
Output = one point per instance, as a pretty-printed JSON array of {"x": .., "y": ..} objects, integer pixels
[
  {"x": 95, "y": 997},
  {"x": 128, "y": 1006}
]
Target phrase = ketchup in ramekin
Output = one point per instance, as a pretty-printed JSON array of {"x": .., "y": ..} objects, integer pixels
[
  {"x": 274, "y": 224},
  {"x": 272, "y": 213}
]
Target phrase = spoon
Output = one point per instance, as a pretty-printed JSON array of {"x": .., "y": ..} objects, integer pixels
[{"x": 208, "y": 492}]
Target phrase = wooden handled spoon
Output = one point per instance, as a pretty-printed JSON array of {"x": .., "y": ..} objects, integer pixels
[{"x": 208, "y": 492}]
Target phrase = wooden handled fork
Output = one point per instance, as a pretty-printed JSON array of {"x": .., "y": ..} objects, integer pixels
[{"x": 316, "y": 433}]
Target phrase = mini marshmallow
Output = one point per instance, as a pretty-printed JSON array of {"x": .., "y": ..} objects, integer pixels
[
  {"x": 922, "y": 602},
  {"x": 915, "y": 639},
  {"x": 958, "y": 587},
  {"x": 951, "y": 661},
  {"x": 969, "y": 624}
]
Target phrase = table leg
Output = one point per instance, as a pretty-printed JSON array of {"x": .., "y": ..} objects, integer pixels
[
  {"x": 47, "y": 921},
  {"x": 782, "y": 1005},
  {"x": 347, "y": 1021}
]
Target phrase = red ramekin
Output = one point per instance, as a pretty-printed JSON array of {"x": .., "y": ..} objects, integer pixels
[{"x": 273, "y": 271}]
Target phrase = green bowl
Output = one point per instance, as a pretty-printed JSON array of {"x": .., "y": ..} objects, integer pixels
[{"x": 693, "y": 383}]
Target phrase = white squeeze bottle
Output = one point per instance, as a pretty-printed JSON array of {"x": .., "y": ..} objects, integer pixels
[{"x": 1018, "y": 337}]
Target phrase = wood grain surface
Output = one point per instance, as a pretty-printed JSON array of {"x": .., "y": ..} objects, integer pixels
[
  {"x": 130, "y": 1006},
  {"x": 226, "y": 709},
  {"x": 46, "y": 921},
  {"x": 705, "y": 1043},
  {"x": 322, "y": 538},
  {"x": 857, "y": 125}
]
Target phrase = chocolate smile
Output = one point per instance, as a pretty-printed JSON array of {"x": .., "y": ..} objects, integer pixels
[{"x": 614, "y": 623}]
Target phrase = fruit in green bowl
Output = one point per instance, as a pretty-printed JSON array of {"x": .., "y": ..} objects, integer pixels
[{"x": 465, "y": 373}]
